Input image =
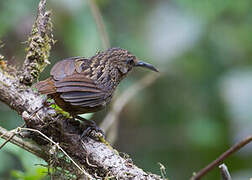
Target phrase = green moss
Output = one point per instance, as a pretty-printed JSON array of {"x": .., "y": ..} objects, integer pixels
[{"x": 60, "y": 110}]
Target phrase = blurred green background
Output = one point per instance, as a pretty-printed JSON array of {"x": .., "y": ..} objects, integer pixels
[{"x": 198, "y": 108}]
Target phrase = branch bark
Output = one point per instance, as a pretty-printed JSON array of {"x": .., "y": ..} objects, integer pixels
[
  {"x": 225, "y": 175},
  {"x": 97, "y": 158}
]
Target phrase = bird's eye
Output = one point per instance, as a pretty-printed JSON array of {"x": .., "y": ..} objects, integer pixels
[{"x": 130, "y": 61}]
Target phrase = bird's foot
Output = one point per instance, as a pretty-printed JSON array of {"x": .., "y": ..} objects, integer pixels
[
  {"x": 97, "y": 134},
  {"x": 92, "y": 130}
]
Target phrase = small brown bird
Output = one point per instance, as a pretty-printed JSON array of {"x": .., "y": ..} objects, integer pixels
[{"x": 79, "y": 85}]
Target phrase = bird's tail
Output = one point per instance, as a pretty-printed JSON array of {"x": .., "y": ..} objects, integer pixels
[{"x": 46, "y": 87}]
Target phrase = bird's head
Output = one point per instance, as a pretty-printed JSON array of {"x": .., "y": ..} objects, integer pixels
[{"x": 124, "y": 61}]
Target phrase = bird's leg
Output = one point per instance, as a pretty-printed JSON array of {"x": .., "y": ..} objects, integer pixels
[{"x": 92, "y": 130}]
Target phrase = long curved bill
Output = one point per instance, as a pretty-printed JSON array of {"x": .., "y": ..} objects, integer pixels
[{"x": 146, "y": 65}]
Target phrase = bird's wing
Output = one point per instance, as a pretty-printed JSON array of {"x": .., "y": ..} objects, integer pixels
[
  {"x": 80, "y": 91},
  {"x": 46, "y": 86},
  {"x": 65, "y": 67}
]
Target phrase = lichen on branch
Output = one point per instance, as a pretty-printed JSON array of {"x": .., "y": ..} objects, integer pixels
[{"x": 39, "y": 45}]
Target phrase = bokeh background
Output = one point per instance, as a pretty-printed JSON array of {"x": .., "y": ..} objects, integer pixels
[{"x": 198, "y": 108}]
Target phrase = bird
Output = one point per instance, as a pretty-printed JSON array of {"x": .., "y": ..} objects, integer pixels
[{"x": 81, "y": 85}]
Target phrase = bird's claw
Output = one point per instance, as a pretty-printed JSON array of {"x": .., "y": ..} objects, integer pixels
[{"x": 94, "y": 132}]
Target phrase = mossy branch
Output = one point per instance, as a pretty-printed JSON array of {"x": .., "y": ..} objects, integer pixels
[{"x": 39, "y": 45}]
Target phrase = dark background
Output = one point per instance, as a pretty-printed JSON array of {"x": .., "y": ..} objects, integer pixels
[{"x": 196, "y": 110}]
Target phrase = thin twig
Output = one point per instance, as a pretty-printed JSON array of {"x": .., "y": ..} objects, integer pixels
[
  {"x": 57, "y": 145},
  {"x": 100, "y": 24},
  {"x": 32, "y": 148},
  {"x": 126, "y": 96},
  {"x": 220, "y": 159},
  {"x": 8, "y": 139},
  {"x": 225, "y": 175}
]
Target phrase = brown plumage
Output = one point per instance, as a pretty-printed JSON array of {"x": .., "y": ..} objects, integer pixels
[{"x": 79, "y": 85}]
